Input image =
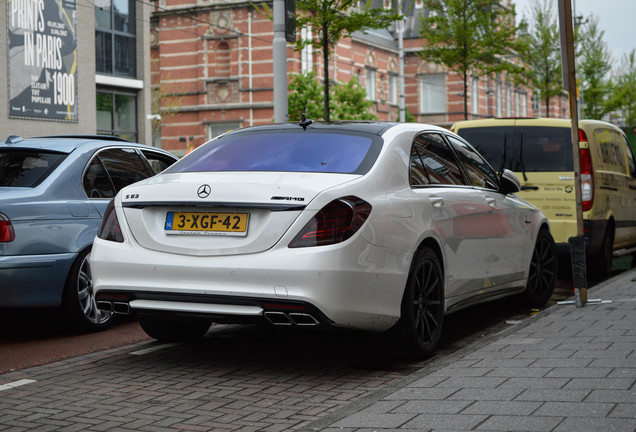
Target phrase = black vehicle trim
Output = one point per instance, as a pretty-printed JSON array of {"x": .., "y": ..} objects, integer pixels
[
  {"x": 215, "y": 204},
  {"x": 127, "y": 297}
]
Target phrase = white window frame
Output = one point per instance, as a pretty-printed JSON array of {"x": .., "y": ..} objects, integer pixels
[
  {"x": 498, "y": 105},
  {"x": 474, "y": 94},
  {"x": 508, "y": 100},
  {"x": 371, "y": 84},
  {"x": 432, "y": 89},
  {"x": 306, "y": 55},
  {"x": 393, "y": 89}
]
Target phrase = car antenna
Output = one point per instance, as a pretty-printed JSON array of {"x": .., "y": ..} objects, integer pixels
[{"x": 304, "y": 122}]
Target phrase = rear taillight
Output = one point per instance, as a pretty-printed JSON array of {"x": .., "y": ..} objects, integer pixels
[
  {"x": 110, "y": 229},
  {"x": 587, "y": 179},
  {"x": 335, "y": 223},
  {"x": 7, "y": 234}
]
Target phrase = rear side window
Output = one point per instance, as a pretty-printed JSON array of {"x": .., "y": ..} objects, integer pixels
[
  {"x": 303, "y": 151},
  {"x": 113, "y": 169},
  {"x": 523, "y": 148},
  {"x": 20, "y": 168},
  {"x": 433, "y": 162}
]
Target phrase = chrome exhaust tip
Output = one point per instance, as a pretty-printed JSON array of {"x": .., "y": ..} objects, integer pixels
[
  {"x": 303, "y": 319},
  {"x": 278, "y": 318},
  {"x": 121, "y": 308},
  {"x": 104, "y": 306}
]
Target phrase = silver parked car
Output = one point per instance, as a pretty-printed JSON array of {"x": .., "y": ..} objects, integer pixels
[{"x": 53, "y": 193}]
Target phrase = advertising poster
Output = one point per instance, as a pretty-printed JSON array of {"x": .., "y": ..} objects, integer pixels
[{"x": 42, "y": 59}]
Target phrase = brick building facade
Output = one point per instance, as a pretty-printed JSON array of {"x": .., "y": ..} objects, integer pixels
[{"x": 212, "y": 70}]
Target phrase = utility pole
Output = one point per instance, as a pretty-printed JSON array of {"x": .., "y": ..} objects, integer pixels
[
  {"x": 280, "y": 63},
  {"x": 577, "y": 244}
]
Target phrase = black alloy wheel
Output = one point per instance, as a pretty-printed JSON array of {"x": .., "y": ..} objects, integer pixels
[
  {"x": 543, "y": 270},
  {"x": 418, "y": 332}
]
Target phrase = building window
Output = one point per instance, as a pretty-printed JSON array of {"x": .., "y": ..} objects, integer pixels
[
  {"x": 517, "y": 104},
  {"x": 393, "y": 89},
  {"x": 498, "y": 106},
  {"x": 508, "y": 100},
  {"x": 216, "y": 129},
  {"x": 524, "y": 104},
  {"x": 474, "y": 95},
  {"x": 117, "y": 114},
  {"x": 371, "y": 84},
  {"x": 306, "y": 55},
  {"x": 115, "y": 40},
  {"x": 432, "y": 93}
]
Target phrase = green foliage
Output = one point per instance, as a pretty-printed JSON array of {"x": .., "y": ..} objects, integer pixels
[
  {"x": 593, "y": 67},
  {"x": 540, "y": 49},
  {"x": 623, "y": 98},
  {"x": 469, "y": 36},
  {"x": 304, "y": 97},
  {"x": 348, "y": 101},
  {"x": 333, "y": 20}
]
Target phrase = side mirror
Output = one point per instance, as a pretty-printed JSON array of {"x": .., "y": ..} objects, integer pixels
[{"x": 509, "y": 182}]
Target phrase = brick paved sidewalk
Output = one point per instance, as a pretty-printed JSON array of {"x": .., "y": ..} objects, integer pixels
[{"x": 567, "y": 369}]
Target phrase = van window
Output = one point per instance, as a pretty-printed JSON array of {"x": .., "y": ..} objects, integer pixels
[{"x": 527, "y": 149}]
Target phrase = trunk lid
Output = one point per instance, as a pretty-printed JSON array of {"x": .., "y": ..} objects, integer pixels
[{"x": 220, "y": 213}]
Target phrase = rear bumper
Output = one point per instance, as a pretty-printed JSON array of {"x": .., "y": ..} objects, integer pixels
[
  {"x": 355, "y": 285},
  {"x": 33, "y": 280}
]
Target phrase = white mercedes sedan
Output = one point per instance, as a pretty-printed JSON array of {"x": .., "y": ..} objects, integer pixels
[{"x": 383, "y": 227}]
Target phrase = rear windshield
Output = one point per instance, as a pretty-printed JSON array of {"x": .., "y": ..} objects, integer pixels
[
  {"x": 527, "y": 148},
  {"x": 303, "y": 151},
  {"x": 20, "y": 168}
]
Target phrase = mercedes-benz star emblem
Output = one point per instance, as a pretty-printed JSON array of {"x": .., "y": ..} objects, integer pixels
[{"x": 204, "y": 191}]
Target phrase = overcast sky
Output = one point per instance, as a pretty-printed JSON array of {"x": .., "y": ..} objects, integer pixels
[{"x": 616, "y": 17}]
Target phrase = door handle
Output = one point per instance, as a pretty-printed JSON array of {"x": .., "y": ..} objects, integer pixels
[
  {"x": 491, "y": 202},
  {"x": 437, "y": 201}
]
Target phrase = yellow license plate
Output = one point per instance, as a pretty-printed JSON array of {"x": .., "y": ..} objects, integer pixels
[{"x": 206, "y": 223}]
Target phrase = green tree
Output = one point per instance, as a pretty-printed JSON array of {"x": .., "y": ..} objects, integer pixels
[
  {"x": 593, "y": 68},
  {"x": 333, "y": 20},
  {"x": 623, "y": 98},
  {"x": 348, "y": 101},
  {"x": 304, "y": 97},
  {"x": 540, "y": 49},
  {"x": 469, "y": 36}
]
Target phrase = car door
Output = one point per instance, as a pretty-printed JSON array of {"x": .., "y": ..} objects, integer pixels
[
  {"x": 507, "y": 225},
  {"x": 458, "y": 211}
]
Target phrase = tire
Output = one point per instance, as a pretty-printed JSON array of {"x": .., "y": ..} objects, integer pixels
[
  {"x": 418, "y": 331},
  {"x": 543, "y": 271},
  {"x": 174, "y": 330},
  {"x": 601, "y": 263},
  {"x": 79, "y": 300}
]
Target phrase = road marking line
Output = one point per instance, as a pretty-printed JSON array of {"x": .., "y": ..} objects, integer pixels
[
  {"x": 14, "y": 384},
  {"x": 153, "y": 349}
]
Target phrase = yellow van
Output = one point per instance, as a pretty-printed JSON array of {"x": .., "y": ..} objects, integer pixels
[{"x": 539, "y": 151}]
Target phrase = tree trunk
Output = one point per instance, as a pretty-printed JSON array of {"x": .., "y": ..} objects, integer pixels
[{"x": 325, "y": 55}]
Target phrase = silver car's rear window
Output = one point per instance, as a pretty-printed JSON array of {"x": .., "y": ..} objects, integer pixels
[
  {"x": 27, "y": 168},
  {"x": 302, "y": 151}
]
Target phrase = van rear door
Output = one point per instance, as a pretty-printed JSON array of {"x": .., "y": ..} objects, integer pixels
[{"x": 542, "y": 159}]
